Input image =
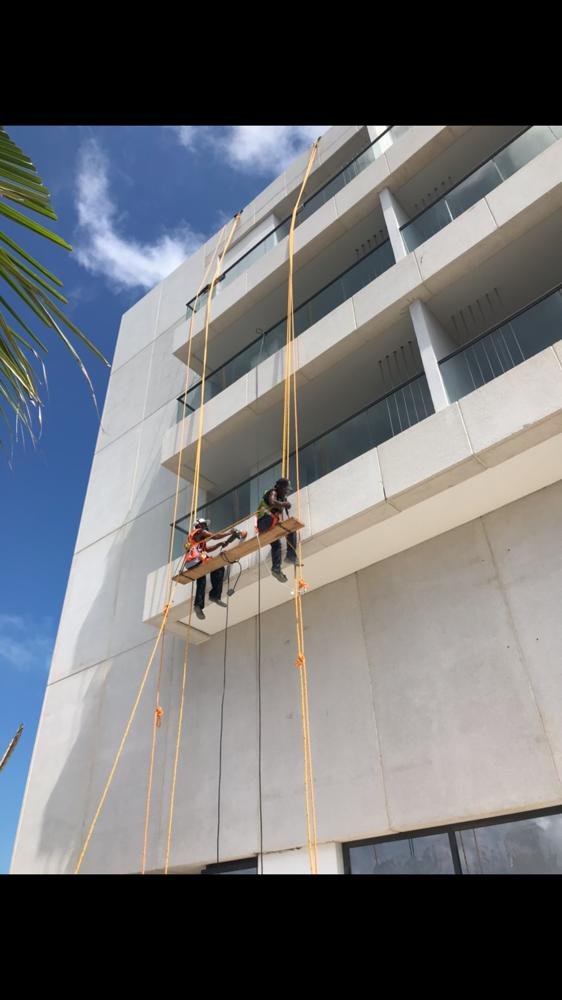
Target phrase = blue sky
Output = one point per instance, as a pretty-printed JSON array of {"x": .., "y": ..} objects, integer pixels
[{"x": 133, "y": 201}]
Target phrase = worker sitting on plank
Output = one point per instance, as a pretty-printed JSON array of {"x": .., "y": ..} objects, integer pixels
[
  {"x": 197, "y": 552},
  {"x": 269, "y": 513}
]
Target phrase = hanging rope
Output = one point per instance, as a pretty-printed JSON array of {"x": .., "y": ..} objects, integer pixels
[
  {"x": 194, "y": 506},
  {"x": 289, "y": 390},
  {"x": 258, "y": 658},
  {"x": 195, "y": 493},
  {"x": 165, "y": 612},
  {"x": 289, "y": 350},
  {"x": 222, "y": 713},
  {"x": 178, "y": 738},
  {"x": 158, "y": 710},
  {"x": 290, "y": 404},
  {"x": 122, "y": 743}
]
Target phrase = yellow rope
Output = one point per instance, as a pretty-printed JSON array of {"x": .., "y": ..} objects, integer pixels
[
  {"x": 187, "y": 374},
  {"x": 291, "y": 319},
  {"x": 123, "y": 740},
  {"x": 165, "y": 612},
  {"x": 194, "y": 505},
  {"x": 158, "y": 711},
  {"x": 178, "y": 740},
  {"x": 195, "y": 493},
  {"x": 301, "y": 659},
  {"x": 290, "y": 399}
]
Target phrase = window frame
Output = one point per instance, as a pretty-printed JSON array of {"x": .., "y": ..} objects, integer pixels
[{"x": 450, "y": 829}]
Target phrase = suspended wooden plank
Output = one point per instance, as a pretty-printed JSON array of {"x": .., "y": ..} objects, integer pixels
[{"x": 232, "y": 555}]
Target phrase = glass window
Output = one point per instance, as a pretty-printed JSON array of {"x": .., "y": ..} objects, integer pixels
[
  {"x": 436, "y": 217},
  {"x": 475, "y": 187},
  {"x": 424, "y": 855},
  {"x": 539, "y": 327},
  {"x": 524, "y": 847},
  {"x": 524, "y": 149},
  {"x": 478, "y": 184},
  {"x": 495, "y": 353}
]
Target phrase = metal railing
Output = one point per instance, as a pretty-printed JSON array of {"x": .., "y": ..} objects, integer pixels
[
  {"x": 308, "y": 207},
  {"x": 528, "y": 331},
  {"x": 479, "y": 182},
  {"x": 373, "y": 264},
  {"x": 375, "y": 423}
]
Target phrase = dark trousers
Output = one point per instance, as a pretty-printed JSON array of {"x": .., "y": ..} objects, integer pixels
[
  {"x": 217, "y": 577},
  {"x": 264, "y": 524}
]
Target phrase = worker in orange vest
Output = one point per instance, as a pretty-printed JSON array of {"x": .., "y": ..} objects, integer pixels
[{"x": 197, "y": 552}]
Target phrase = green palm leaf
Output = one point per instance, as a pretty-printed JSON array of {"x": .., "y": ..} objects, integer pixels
[{"x": 33, "y": 287}]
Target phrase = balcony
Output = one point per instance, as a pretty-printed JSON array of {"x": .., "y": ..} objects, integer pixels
[
  {"x": 310, "y": 312},
  {"x": 479, "y": 183},
  {"x": 499, "y": 443},
  {"x": 308, "y": 207},
  {"x": 523, "y": 335},
  {"x": 512, "y": 239},
  {"x": 365, "y": 430},
  {"x": 258, "y": 297}
]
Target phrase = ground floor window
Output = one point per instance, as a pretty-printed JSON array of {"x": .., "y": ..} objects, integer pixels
[{"x": 525, "y": 844}]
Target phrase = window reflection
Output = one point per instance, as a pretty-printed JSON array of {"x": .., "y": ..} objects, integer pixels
[
  {"x": 429, "y": 855},
  {"x": 525, "y": 846}
]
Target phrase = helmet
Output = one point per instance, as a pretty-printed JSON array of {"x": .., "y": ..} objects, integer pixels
[
  {"x": 285, "y": 484},
  {"x": 202, "y": 522}
]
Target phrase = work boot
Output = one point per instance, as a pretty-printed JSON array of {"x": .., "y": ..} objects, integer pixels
[
  {"x": 279, "y": 575},
  {"x": 199, "y": 611},
  {"x": 217, "y": 600}
]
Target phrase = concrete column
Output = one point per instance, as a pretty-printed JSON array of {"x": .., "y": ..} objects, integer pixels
[
  {"x": 394, "y": 217},
  {"x": 296, "y": 862},
  {"x": 434, "y": 343}
]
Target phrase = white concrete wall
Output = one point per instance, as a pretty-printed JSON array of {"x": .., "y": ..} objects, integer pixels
[
  {"x": 434, "y": 680},
  {"x": 435, "y": 674}
]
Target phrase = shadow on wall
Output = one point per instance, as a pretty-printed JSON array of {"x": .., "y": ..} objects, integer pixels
[
  {"x": 105, "y": 694},
  {"x": 102, "y": 695}
]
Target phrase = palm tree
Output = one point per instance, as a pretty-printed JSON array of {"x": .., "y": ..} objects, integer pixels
[{"x": 31, "y": 284}]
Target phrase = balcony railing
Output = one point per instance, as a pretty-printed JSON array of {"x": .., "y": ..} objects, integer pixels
[
  {"x": 368, "y": 428},
  {"x": 532, "y": 329},
  {"x": 314, "y": 309},
  {"x": 311, "y": 205},
  {"x": 479, "y": 183}
]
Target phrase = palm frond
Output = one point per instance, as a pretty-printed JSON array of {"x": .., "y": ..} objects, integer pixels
[{"x": 32, "y": 286}]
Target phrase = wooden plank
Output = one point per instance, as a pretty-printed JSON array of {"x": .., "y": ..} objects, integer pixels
[{"x": 239, "y": 551}]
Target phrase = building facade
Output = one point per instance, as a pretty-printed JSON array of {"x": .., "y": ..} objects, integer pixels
[{"x": 428, "y": 324}]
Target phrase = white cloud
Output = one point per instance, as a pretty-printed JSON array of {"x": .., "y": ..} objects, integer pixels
[
  {"x": 26, "y": 643},
  {"x": 265, "y": 149},
  {"x": 186, "y": 134},
  {"x": 127, "y": 263}
]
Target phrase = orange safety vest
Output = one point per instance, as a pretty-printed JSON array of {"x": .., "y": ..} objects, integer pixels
[{"x": 195, "y": 550}]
